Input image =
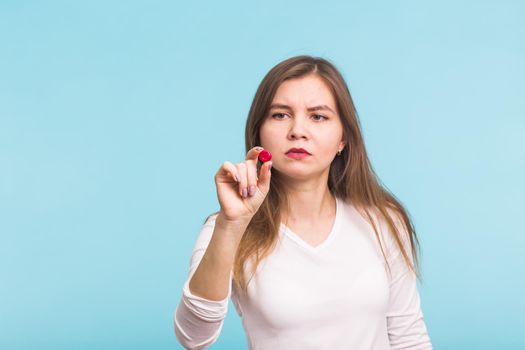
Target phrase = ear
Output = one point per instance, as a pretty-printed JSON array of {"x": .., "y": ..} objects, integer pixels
[{"x": 342, "y": 145}]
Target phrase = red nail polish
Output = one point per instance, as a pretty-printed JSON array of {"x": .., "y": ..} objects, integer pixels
[{"x": 265, "y": 156}]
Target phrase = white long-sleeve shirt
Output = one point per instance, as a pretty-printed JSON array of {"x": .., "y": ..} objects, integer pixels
[{"x": 336, "y": 295}]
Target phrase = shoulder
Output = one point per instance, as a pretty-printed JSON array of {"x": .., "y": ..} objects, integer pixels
[
  {"x": 400, "y": 240},
  {"x": 385, "y": 233}
]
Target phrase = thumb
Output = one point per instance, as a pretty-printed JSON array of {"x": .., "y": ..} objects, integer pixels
[{"x": 265, "y": 175}]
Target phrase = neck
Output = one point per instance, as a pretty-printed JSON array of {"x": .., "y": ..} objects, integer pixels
[{"x": 309, "y": 202}]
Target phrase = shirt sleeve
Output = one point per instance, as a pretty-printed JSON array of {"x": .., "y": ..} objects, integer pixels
[
  {"x": 405, "y": 322},
  {"x": 198, "y": 321}
]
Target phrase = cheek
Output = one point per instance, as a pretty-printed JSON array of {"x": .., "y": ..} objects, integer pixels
[
  {"x": 263, "y": 136},
  {"x": 269, "y": 136},
  {"x": 331, "y": 139}
]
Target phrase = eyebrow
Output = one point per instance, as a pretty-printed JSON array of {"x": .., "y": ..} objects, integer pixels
[{"x": 316, "y": 108}]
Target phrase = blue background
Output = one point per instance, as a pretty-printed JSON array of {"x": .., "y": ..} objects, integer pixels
[{"x": 115, "y": 116}]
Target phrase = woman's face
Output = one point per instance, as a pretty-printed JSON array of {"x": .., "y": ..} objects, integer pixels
[{"x": 303, "y": 115}]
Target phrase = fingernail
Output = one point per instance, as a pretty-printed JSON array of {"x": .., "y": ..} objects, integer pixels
[
  {"x": 252, "y": 190},
  {"x": 244, "y": 192},
  {"x": 236, "y": 177}
]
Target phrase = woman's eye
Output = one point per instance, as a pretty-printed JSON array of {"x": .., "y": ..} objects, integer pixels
[
  {"x": 318, "y": 117},
  {"x": 278, "y": 116}
]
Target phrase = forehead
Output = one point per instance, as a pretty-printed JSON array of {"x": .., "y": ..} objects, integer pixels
[{"x": 307, "y": 91}]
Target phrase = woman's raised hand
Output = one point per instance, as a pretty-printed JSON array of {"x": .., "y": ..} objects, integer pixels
[{"x": 239, "y": 189}]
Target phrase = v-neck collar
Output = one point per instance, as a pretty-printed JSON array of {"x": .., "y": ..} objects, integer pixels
[{"x": 333, "y": 231}]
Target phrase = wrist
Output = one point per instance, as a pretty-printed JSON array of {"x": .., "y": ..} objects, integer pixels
[{"x": 235, "y": 224}]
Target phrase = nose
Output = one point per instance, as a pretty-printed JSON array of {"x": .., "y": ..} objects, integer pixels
[{"x": 298, "y": 129}]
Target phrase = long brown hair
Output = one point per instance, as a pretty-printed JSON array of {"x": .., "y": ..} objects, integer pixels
[{"x": 351, "y": 175}]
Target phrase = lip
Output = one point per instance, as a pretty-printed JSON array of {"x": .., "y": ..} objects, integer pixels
[
  {"x": 297, "y": 155},
  {"x": 298, "y": 151}
]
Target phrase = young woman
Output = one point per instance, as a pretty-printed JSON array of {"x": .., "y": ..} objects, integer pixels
[{"x": 312, "y": 250}]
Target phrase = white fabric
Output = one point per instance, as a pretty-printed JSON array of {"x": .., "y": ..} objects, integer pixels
[{"x": 337, "y": 295}]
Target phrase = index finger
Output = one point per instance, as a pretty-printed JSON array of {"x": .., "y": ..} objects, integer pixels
[{"x": 254, "y": 153}]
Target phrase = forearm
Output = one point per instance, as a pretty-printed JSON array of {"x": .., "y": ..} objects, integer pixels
[{"x": 211, "y": 280}]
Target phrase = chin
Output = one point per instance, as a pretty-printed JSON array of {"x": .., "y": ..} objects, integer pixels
[{"x": 297, "y": 173}]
